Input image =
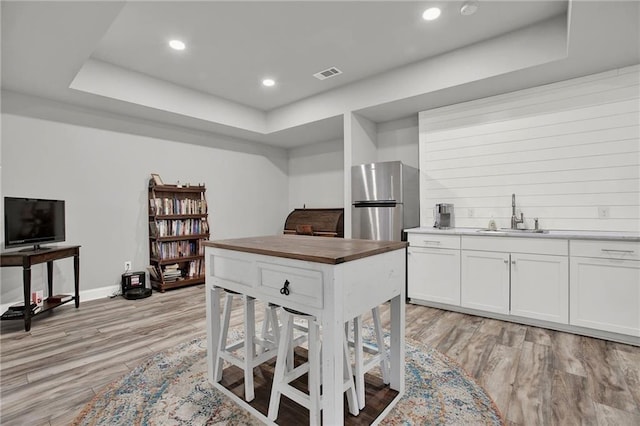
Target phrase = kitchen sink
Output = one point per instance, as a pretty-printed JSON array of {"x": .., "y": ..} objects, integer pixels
[{"x": 512, "y": 231}]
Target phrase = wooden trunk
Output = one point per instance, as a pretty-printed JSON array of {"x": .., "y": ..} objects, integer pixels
[{"x": 317, "y": 222}]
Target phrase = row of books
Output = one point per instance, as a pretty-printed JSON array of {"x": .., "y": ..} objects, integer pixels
[
  {"x": 174, "y": 228},
  {"x": 164, "y": 206},
  {"x": 171, "y": 273},
  {"x": 174, "y": 249},
  {"x": 154, "y": 272},
  {"x": 17, "y": 311},
  {"x": 193, "y": 268}
]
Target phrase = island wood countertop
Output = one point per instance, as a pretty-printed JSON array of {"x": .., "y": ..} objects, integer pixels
[{"x": 313, "y": 249}]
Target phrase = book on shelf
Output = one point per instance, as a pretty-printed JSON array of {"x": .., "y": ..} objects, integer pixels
[
  {"x": 171, "y": 273},
  {"x": 195, "y": 268},
  {"x": 153, "y": 230},
  {"x": 11, "y": 314},
  {"x": 19, "y": 307},
  {"x": 60, "y": 298},
  {"x": 17, "y": 311},
  {"x": 153, "y": 273}
]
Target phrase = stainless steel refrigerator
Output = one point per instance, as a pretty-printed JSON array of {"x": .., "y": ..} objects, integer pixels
[{"x": 386, "y": 200}]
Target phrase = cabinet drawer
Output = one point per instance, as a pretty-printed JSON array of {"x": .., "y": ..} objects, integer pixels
[
  {"x": 530, "y": 245},
  {"x": 626, "y": 250},
  {"x": 237, "y": 272},
  {"x": 434, "y": 241},
  {"x": 304, "y": 285}
]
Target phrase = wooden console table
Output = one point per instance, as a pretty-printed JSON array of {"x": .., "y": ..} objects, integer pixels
[
  {"x": 333, "y": 279},
  {"x": 33, "y": 257}
]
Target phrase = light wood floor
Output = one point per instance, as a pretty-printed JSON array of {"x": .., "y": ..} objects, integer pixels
[{"x": 535, "y": 376}]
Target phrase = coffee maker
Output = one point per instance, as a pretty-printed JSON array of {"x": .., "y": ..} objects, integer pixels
[{"x": 443, "y": 214}]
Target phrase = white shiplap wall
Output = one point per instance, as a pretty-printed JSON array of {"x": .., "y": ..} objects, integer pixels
[{"x": 570, "y": 151}]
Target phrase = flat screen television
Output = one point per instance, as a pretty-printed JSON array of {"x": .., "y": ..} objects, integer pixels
[{"x": 33, "y": 221}]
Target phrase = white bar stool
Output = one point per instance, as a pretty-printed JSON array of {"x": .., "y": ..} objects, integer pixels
[
  {"x": 267, "y": 343},
  {"x": 380, "y": 354},
  {"x": 284, "y": 372}
]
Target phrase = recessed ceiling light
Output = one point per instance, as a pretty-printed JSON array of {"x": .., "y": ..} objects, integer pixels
[
  {"x": 177, "y": 45},
  {"x": 469, "y": 8},
  {"x": 431, "y": 14},
  {"x": 268, "y": 82}
]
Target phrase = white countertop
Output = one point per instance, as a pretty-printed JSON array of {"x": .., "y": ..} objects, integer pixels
[{"x": 552, "y": 233}]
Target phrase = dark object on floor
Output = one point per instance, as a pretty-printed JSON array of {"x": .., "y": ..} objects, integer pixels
[
  {"x": 133, "y": 286},
  {"x": 137, "y": 293}
]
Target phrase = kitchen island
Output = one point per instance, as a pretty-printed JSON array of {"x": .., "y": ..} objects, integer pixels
[{"x": 333, "y": 279}]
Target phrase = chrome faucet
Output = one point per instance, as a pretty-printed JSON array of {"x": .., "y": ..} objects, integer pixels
[{"x": 514, "y": 219}]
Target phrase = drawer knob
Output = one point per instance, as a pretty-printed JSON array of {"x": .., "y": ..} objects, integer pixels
[{"x": 285, "y": 289}]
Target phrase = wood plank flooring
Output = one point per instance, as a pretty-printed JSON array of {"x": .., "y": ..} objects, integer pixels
[{"x": 535, "y": 376}]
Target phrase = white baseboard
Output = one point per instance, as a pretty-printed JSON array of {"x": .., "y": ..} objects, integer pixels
[
  {"x": 98, "y": 293},
  {"x": 85, "y": 295}
]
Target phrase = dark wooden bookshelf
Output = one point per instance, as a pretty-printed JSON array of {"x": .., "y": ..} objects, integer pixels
[{"x": 170, "y": 207}]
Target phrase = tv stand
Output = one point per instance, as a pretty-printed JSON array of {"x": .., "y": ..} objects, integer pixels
[{"x": 34, "y": 257}]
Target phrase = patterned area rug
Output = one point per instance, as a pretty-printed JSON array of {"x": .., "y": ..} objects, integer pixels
[{"x": 171, "y": 388}]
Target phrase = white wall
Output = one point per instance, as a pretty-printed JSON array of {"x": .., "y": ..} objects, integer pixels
[
  {"x": 566, "y": 150},
  {"x": 103, "y": 175},
  {"x": 398, "y": 141},
  {"x": 319, "y": 174},
  {"x": 316, "y": 175}
]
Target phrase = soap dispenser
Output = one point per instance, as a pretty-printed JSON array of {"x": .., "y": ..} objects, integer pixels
[{"x": 492, "y": 225}]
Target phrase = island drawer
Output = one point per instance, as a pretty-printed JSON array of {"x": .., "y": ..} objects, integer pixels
[
  {"x": 237, "y": 272},
  {"x": 303, "y": 286}
]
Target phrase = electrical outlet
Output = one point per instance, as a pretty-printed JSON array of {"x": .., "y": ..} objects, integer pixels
[
  {"x": 127, "y": 265},
  {"x": 603, "y": 212},
  {"x": 470, "y": 212}
]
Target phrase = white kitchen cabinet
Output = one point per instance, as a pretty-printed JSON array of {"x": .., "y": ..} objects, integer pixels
[
  {"x": 484, "y": 281},
  {"x": 516, "y": 276},
  {"x": 605, "y": 286},
  {"x": 565, "y": 281},
  {"x": 433, "y": 263},
  {"x": 539, "y": 287}
]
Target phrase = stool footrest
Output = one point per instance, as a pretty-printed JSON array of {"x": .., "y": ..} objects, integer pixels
[
  {"x": 300, "y": 370},
  {"x": 234, "y": 346},
  {"x": 295, "y": 394},
  {"x": 367, "y": 347}
]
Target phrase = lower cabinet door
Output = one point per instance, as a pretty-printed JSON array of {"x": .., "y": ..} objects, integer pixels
[
  {"x": 540, "y": 287},
  {"x": 484, "y": 281},
  {"x": 434, "y": 275},
  {"x": 605, "y": 294}
]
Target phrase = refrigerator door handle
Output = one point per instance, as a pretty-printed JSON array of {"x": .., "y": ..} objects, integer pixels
[{"x": 375, "y": 203}]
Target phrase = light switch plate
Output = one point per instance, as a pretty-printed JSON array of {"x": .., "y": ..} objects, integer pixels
[{"x": 603, "y": 212}]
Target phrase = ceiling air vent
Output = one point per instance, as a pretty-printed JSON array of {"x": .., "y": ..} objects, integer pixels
[{"x": 330, "y": 72}]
